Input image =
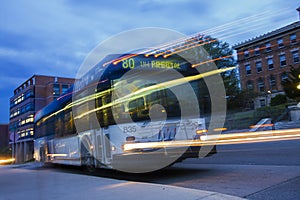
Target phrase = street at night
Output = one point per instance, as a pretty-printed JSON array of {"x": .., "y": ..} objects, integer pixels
[
  {"x": 150, "y": 99},
  {"x": 269, "y": 170}
]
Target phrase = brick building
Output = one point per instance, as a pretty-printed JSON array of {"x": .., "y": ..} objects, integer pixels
[
  {"x": 29, "y": 97},
  {"x": 265, "y": 60},
  {"x": 3, "y": 137}
]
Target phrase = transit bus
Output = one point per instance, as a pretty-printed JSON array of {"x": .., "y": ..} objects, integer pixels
[{"x": 130, "y": 112}]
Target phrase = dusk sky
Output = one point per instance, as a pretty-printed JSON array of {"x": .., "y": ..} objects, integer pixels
[{"x": 54, "y": 37}]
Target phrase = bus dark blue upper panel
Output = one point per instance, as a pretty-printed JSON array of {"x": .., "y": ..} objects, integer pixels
[{"x": 116, "y": 65}]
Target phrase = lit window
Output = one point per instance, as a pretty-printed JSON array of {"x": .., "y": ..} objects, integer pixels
[
  {"x": 19, "y": 99},
  {"x": 29, "y": 119},
  {"x": 23, "y": 122}
]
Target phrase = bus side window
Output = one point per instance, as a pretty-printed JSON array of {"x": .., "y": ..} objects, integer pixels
[
  {"x": 38, "y": 129},
  {"x": 104, "y": 115},
  {"x": 49, "y": 126},
  {"x": 69, "y": 128},
  {"x": 59, "y": 125},
  {"x": 138, "y": 110}
]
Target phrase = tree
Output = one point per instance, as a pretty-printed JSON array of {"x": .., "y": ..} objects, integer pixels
[
  {"x": 218, "y": 52},
  {"x": 290, "y": 84},
  {"x": 243, "y": 100},
  {"x": 278, "y": 99},
  {"x": 222, "y": 54}
]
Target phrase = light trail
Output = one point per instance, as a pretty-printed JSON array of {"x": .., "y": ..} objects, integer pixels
[
  {"x": 197, "y": 44},
  {"x": 57, "y": 154},
  {"x": 241, "y": 25},
  {"x": 5, "y": 161},
  {"x": 212, "y": 60},
  {"x": 159, "y": 86},
  {"x": 240, "y": 53},
  {"x": 223, "y": 139},
  {"x": 135, "y": 95}
]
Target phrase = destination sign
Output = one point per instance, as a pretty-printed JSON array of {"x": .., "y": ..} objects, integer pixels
[{"x": 132, "y": 63}]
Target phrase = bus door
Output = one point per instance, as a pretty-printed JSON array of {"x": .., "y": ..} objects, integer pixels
[
  {"x": 99, "y": 146},
  {"x": 103, "y": 147}
]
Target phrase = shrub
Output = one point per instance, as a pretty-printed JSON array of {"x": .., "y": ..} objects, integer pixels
[{"x": 278, "y": 99}]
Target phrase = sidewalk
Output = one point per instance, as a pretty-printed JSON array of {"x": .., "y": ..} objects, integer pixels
[{"x": 17, "y": 182}]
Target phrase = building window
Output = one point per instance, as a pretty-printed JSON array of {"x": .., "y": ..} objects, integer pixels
[
  {"x": 295, "y": 55},
  {"x": 248, "y": 69},
  {"x": 28, "y": 94},
  {"x": 282, "y": 60},
  {"x": 56, "y": 90},
  {"x": 29, "y": 107},
  {"x": 270, "y": 63},
  {"x": 29, "y": 119},
  {"x": 280, "y": 43},
  {"x": 19, "y": 99},
  {"x": 268, "y": 47},
  {"x": 261, "y": 85},
  {"x": 246, "y": 53},
  {"x": 272, "y": 81},
  {"x": 284, "y": 76},
  {"x": 249, "y": 85},
  {"x": 262, "y": 102},
  {"x": 256, "y": 51},
  {"x": 64, "y": 88},
  {"x": 258, "y": 67},
  {"x": 293, "y": 38}
]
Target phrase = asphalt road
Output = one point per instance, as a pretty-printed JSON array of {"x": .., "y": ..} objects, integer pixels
[{"x": 269, "y": 170}]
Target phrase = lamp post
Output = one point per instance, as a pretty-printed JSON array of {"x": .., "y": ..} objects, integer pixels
[{"x": 268, "y": 101}]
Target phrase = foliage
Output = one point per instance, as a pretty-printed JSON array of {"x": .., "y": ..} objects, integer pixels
[
  {"x": 270, "y": 111},
  {"x": 5, "y": 152},
  {"x": 243, "y": 100},
  {"x": 278, "y": 99},
  {"x": 243, "y": 120},
  {"x": 221, "y": 54},
  {"x": 290, "y": 84}
]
